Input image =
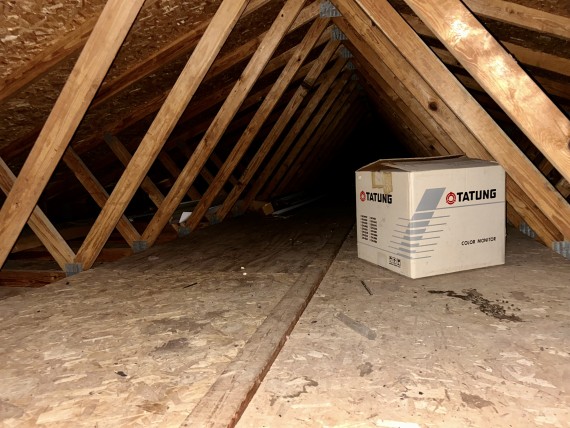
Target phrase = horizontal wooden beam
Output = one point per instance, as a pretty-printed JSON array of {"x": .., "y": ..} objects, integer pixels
[
  {"x": 29, "y": 278},
  {"x": 522, "y": 16}
]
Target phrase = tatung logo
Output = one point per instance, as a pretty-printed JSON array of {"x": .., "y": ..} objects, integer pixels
[
  {"x": 470, "y": 196},
  {"x": 376, "y": 197}
]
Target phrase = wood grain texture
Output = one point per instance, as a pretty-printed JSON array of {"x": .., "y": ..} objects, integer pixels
[
  {"x": 80, "y": 88},
  {"x": 29, "y": 278},
  {"x": 224, "y": 116},
  {"x": 499, "y": 74},
  {"x": 182, "y": 92},
  {"x": 258, "y": 120},
  {"x": 376, "y": 44},
  {"x": 316, "y": 97},
  {"x": 307, "y": 140},
  {"x": 227, "y": 399},
  {"x": 522, "y": 16},
  {"x": 487, "y": 132},
  {"x": 277, "y": 130},
  {"x": 40, "y": 224},
  {"x": 98, "y": 192}
]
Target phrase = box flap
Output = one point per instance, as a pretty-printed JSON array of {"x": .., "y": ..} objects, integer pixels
[{"x": 426, "y": 163}]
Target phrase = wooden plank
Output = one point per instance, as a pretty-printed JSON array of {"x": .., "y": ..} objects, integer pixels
[
  {"x": 188, "y": 151},
  {"x": 29, "y": 278},
  {"x": 546, "y": 61},
  {"x": 563, "y": 187},
  {"x": 522, "y": 16},
  {"x": 307, "y": 140},
  {"x": 523, "y": 172},
  {"x": 182, "y": 92},
  {"x": 334, "y": 136},
  {"x": 410, "y": 97},
  {"x": 378, "y": 46},
  {"x": 165, "y": 55},
  {"x": 68, "y": 233},
  {"x": 237, "y": 55},
  {"x": 277, "y": 129},
  {"x": 228, "y": 397},
  {"x": 500, "y": 75},
  {"x": 224, "y": 116},
  {"x": 219, "y": 164},
  {"x": 169, "y": 53},
  {"x": 80, "y": 88},
  {"x": 328, "y": 79},
  {"x": 40, "y": 224},
  {"x": 260, "y": 117},
  {"x": 296, "y": 137},
  {"x": 405, "y": 106},
  {"x": 98, "y": 193},
  {"x": 147, "y": 185},
  {"x": 174, "y": 170},
  {"x": 524, "y": 55}
]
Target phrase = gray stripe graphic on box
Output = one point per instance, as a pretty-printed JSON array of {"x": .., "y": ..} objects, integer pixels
[
  {"x": 430, "y": 199},
  {"x": 417, "y": 229}
]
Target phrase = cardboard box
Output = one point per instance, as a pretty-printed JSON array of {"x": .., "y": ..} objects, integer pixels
[{"x": 429, "y": 216}]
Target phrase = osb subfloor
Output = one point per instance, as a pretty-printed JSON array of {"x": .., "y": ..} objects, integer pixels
[
  {"x": 482, "y": 348},
  {"x": 138, "y": 342}
]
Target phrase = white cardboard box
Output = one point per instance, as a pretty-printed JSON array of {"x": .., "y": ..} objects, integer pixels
[{"x": 429, "y": 216}]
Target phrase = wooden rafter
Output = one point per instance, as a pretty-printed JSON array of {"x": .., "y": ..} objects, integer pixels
[
  {"x": 332, "y": 135},
  {"x": 522, "y": 16},
  {"x": 524, "y": 55},
  {"x": 470, "y": 112},
  {"x": 433, "y": 103},
  {"x": 98, "y": 193},
  {"x": 40, "y": 224},
  {"x": 169, "y": 164},
  {"x": 503, "y": 79},
  {"x": 224, "y": 116},
  {"x": 516, "y": 198},
  {"x": 92, "y": 65},
  {"x": 327, "y": 79},
  {"x": 184, "y": 89},
  {"x": 70, "y": 44},
  {"x": 278, "y": 128},
  {"x": 147, "y": 185},
  {"x": 307, "y": 139},
  {"x": 258, "y": 120},
  {"x": 317, "y": 148}
]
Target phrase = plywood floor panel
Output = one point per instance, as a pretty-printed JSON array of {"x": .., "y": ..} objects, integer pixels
[
  {"x": 139, "y": 341},
  {"x": 433, "y": 352}
]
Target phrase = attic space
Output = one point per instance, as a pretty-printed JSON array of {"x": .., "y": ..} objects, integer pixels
[
  {"x": 178, "y": 221},
  {"x": 114, "y": 125}
]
